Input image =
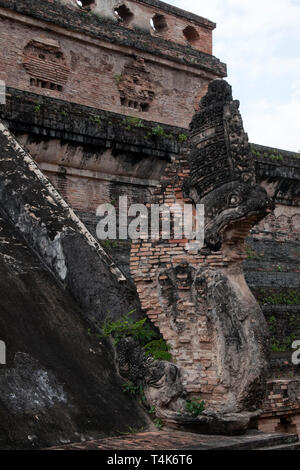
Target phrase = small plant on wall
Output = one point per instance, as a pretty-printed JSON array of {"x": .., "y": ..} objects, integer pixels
[
  {"x": 158, "y": 131},
  {"x": 195, "y": 407},
  {"x": 126, "y": 326},
  {"x": 159, "y": 350},
  {"x": 141, "y": 331}
]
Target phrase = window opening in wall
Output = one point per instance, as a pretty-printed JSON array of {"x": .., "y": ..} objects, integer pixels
[
  {"x": 191, "y": 34},
  {"x": 158, "y": 23},
  {"x": 44, "y": 84},
  {"x": 145, "y": 107},
  {"x": 123, "y": 14}
]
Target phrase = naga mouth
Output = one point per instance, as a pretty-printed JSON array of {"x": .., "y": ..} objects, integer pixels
[
  {"x": 232, "y": 230},
  {"x": 234, "y": 236},
  {"x": 245, "y": 206}
]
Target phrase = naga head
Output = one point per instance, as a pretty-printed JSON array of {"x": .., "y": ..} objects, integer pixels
[
  {"x": 222, "y": 170},
  {"x": 230, "y": 212}
]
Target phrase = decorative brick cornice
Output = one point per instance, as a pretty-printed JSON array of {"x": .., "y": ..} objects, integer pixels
[
  {"x": 274, "y": 155},
  {"x": 50, "y": 117},
  {"x": 179, "y": 12}
]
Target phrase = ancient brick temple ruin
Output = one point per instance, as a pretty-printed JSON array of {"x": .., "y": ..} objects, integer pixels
[{"x": 111, "y": 98}]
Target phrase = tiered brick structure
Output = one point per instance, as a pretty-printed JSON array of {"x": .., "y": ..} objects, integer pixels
[
  {"x": 82, "y": 56},
  {"x": 120, "y": 74}
]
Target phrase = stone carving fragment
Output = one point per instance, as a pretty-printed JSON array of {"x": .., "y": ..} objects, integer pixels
[{"x": 135, "y": 86}]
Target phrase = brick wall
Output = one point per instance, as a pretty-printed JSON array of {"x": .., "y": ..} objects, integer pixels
[
  {"x": 149, "y": 263},
  {"x": 282, "y": 226},
  {"x": 170, "y": 25},
  {"x": 86, "y": 67},
  {"x": 281, "y": 408}
]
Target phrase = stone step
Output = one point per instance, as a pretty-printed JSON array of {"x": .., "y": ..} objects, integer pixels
[
  {"x": 178, "y": 440},
  {"x": 293, "y": 446},
  {"x": 263, "y": 441}
]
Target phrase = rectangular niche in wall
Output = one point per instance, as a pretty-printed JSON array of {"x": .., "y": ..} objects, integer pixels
[
  {"x": 46, "y": 65},
  {"x": 135, "y": 86}
]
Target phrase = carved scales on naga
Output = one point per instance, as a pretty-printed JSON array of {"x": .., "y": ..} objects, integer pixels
[{"x": 200, "y": 300}]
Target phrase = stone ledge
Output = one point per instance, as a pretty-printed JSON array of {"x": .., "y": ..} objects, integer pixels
[
  {"x": 175, "y": 440},
  {"x": 274, "y": 156},
  {"x": 287, "y": 411},
  {"x": 281, "y": 280},
  {"x": 50, "y": 117},
  {"x": 21, "y": 115},
  {"x": 281, "y": 308}
]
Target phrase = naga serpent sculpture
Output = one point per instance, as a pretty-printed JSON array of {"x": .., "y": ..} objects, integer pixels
[{"x": 200, "y": 301}]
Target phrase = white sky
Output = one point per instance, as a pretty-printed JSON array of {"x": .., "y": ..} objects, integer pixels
[{"x": 259, "y": 40}]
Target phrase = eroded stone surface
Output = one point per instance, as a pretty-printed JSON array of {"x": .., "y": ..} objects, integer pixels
[{"x": 60, "y": 383}]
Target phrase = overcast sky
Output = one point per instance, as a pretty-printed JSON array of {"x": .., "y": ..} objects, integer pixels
[{"x": 259, "y": 40}]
